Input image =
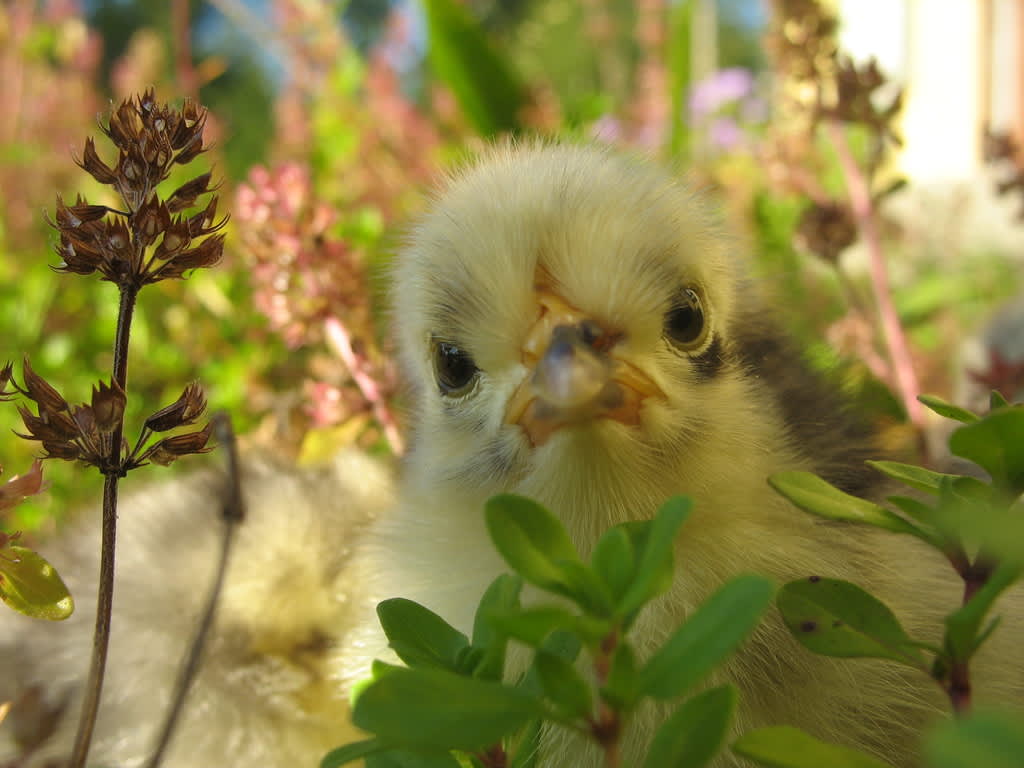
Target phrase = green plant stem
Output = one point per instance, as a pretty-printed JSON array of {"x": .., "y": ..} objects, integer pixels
[
  {"x": 892, "y": 330},
  {"x": 105, "y": 597}
]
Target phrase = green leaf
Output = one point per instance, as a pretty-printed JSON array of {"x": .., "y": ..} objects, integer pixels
[
  {"x": 836, "y": 618},
  {"x": 460, "y": 54},
  {"x": 436, "y": 709},
  {"x": 563, "y": 685},
  {"x": 948, "y": 410},
  {"x": 782, "y": 746},
  {"x": 30, "y": 585},
  {"x": 654, "y": 558},
  {"x": 533, "y": 625},
  {"x": 908, "y": 474},
  {"x": 501, "y": 595},
  {"x": 819, "y": 497},
  {"x": 526, "y": 749},
  {"x": 532, "y": 541},
  {"x": 350, "y": 752},
  {"x": 996, "y": 400},
  {"x": 397, "y": 758},
  {"x": 996, "y": 444},
  {"x": 614, "y": 561},
  {"x": 963, "y": 624},
  {"x": 419, "y": 636},
  {"x": 694, "y": 733},
  {"x": 708, "y": 637},
  {"x": 913, "y": 507},
  {"x": 981, "y": 739}
]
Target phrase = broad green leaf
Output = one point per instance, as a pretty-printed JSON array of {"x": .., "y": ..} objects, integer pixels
[
  {"x": 948, "y": 410},
  {"x": 982, "y": 739},
  {"x": 974, "y": 512},
  {"x": 695, "y": 732},
  {"x": 819, "y": 497},
  {"x": 914, "y": 508},
  {"x": 614, "y": 561},
  {"x": 996, "y": 400},
  {"x": 962, "y": 625},
  {"x": 996, "y": 444},
  {"x": 460, "y": 55},
  {"x": 419, "y": 636},
  {"x": 654, "y": 559},
  {"x": 526, "y": 748},
  {"x": 501, "y": 595},
  {"x": 782, "y": 746},
  {"x": 586, "y": 588},
  {"x": 564, "y": 645},
  {"x": 532, "y": 626},
  {"x": 351, "y": 752},
  {"x": 435, "y": 709},
  {"x": 397, "y": 758},
  {"x": 620, "y": 687},
  {"x": 836, "y": 618},
  {"x": 908, "y": 474},
  {"x": 32, "y": 586},
  {"x": 563, "y": 685},
  {"x": 708, "y": 637},
  {"x": 532, "y": 541}
]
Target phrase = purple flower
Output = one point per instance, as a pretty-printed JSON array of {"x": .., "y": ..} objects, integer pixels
[{"x": 723, "y": 87}]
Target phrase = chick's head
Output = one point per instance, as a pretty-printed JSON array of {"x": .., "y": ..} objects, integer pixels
[{"x": 565, "y": 315}]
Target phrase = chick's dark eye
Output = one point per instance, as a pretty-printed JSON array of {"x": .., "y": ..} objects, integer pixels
[
  {"x": 685, "y": 323},
  {"x": 454, "y": 367}
]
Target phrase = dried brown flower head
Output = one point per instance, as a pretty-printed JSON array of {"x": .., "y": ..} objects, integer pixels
[
  {"x": 150, "y": 138},
  {"x": 826, "y": 230}
]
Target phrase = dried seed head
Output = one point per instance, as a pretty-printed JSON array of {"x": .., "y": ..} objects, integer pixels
[
  {"x": 91, "y": 163},
  {"x": 6, "y": 375},
  {"x": 170, "y": 449},
  {"x": 826, "y": 230},
  {"x": 108, "y": 401},
  {"x": 40, "y": 392},
  {"x": 185, "y": 410}
]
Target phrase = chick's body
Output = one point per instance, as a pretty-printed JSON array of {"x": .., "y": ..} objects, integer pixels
[
  {"x": 263, "y": 694},
  {"x": 697, "y": 393}
]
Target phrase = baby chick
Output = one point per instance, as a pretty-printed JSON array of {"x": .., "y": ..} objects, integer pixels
[
  {"x": 262, "y": 696},
  {"x": 577, "y": 328}
]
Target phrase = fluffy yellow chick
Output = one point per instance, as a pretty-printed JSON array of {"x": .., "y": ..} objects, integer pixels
[
  {"x": 262, "y": 696},
  {"x": 578, "y": 329}
]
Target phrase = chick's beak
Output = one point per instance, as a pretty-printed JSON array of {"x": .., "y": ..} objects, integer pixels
[{"x": 574, "y": 375}]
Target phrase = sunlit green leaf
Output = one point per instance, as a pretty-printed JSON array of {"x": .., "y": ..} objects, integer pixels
[
  {"x": 709, "y": 636},
  {"x": 783, "y": 746},
  {"x": 948, "y": 410},
  {"x": 694, "y": 733},
  {"x": 981, "y": 739},
  {"x": 418, "y": 635},
  {"x": 819, "y": 497},
  {"x": 436, "y": 709},
  {"x": 908, "y": 474},
  {"x": 836, "y": 618},
  {"x": 32, "y": 586},
  {"x": 654, "y": 556},
  {"x": 996, "y": 444}
]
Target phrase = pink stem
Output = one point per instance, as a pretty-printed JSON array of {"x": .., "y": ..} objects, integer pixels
[
  {"x": 341, "y": 341},
  {"x": 895, "y": 340}
]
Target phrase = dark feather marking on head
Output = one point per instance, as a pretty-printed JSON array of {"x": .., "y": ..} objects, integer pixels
[
  {"x": 821, "y": 423},
  {"x": 710, "y": 362}
]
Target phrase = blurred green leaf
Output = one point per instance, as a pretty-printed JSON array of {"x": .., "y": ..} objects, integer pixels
[
  {"x": 30, "y": 585},
  {"x": 620, "y": 687},
  {"x": 709, "y": 636},
  {"x": 614, "y": 561},
  {"x": 533, "y": 542},
  {"x": 819, "y": 497},
  {"x": 963, "y": 624},
  {"x": 526, "y": 749},
  {"x": 436, "y": 709},
  {"x": 695, "y": 732},
  {"x": 419, "y": 636},
  {"x": 981, "y": 739},
  {"x": 501, "y": 595},
  {"x": 563, "y": 685},
  {"x": 996, "y": 400},
  {"x": 783, "y": 746},
  {"x": 397, "y": 758},
  {"x": 654, "y": 543},
  {"x": 908, "y": 474},
  {"x": 350, "y": 752},
  {"x": 533, "y": 626},
  {"x": 461, "y": 55},
  {"x": 996, "y": 444},
  {"x": 948, "y": 410},
  {"x": 836, "y": 618}
]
